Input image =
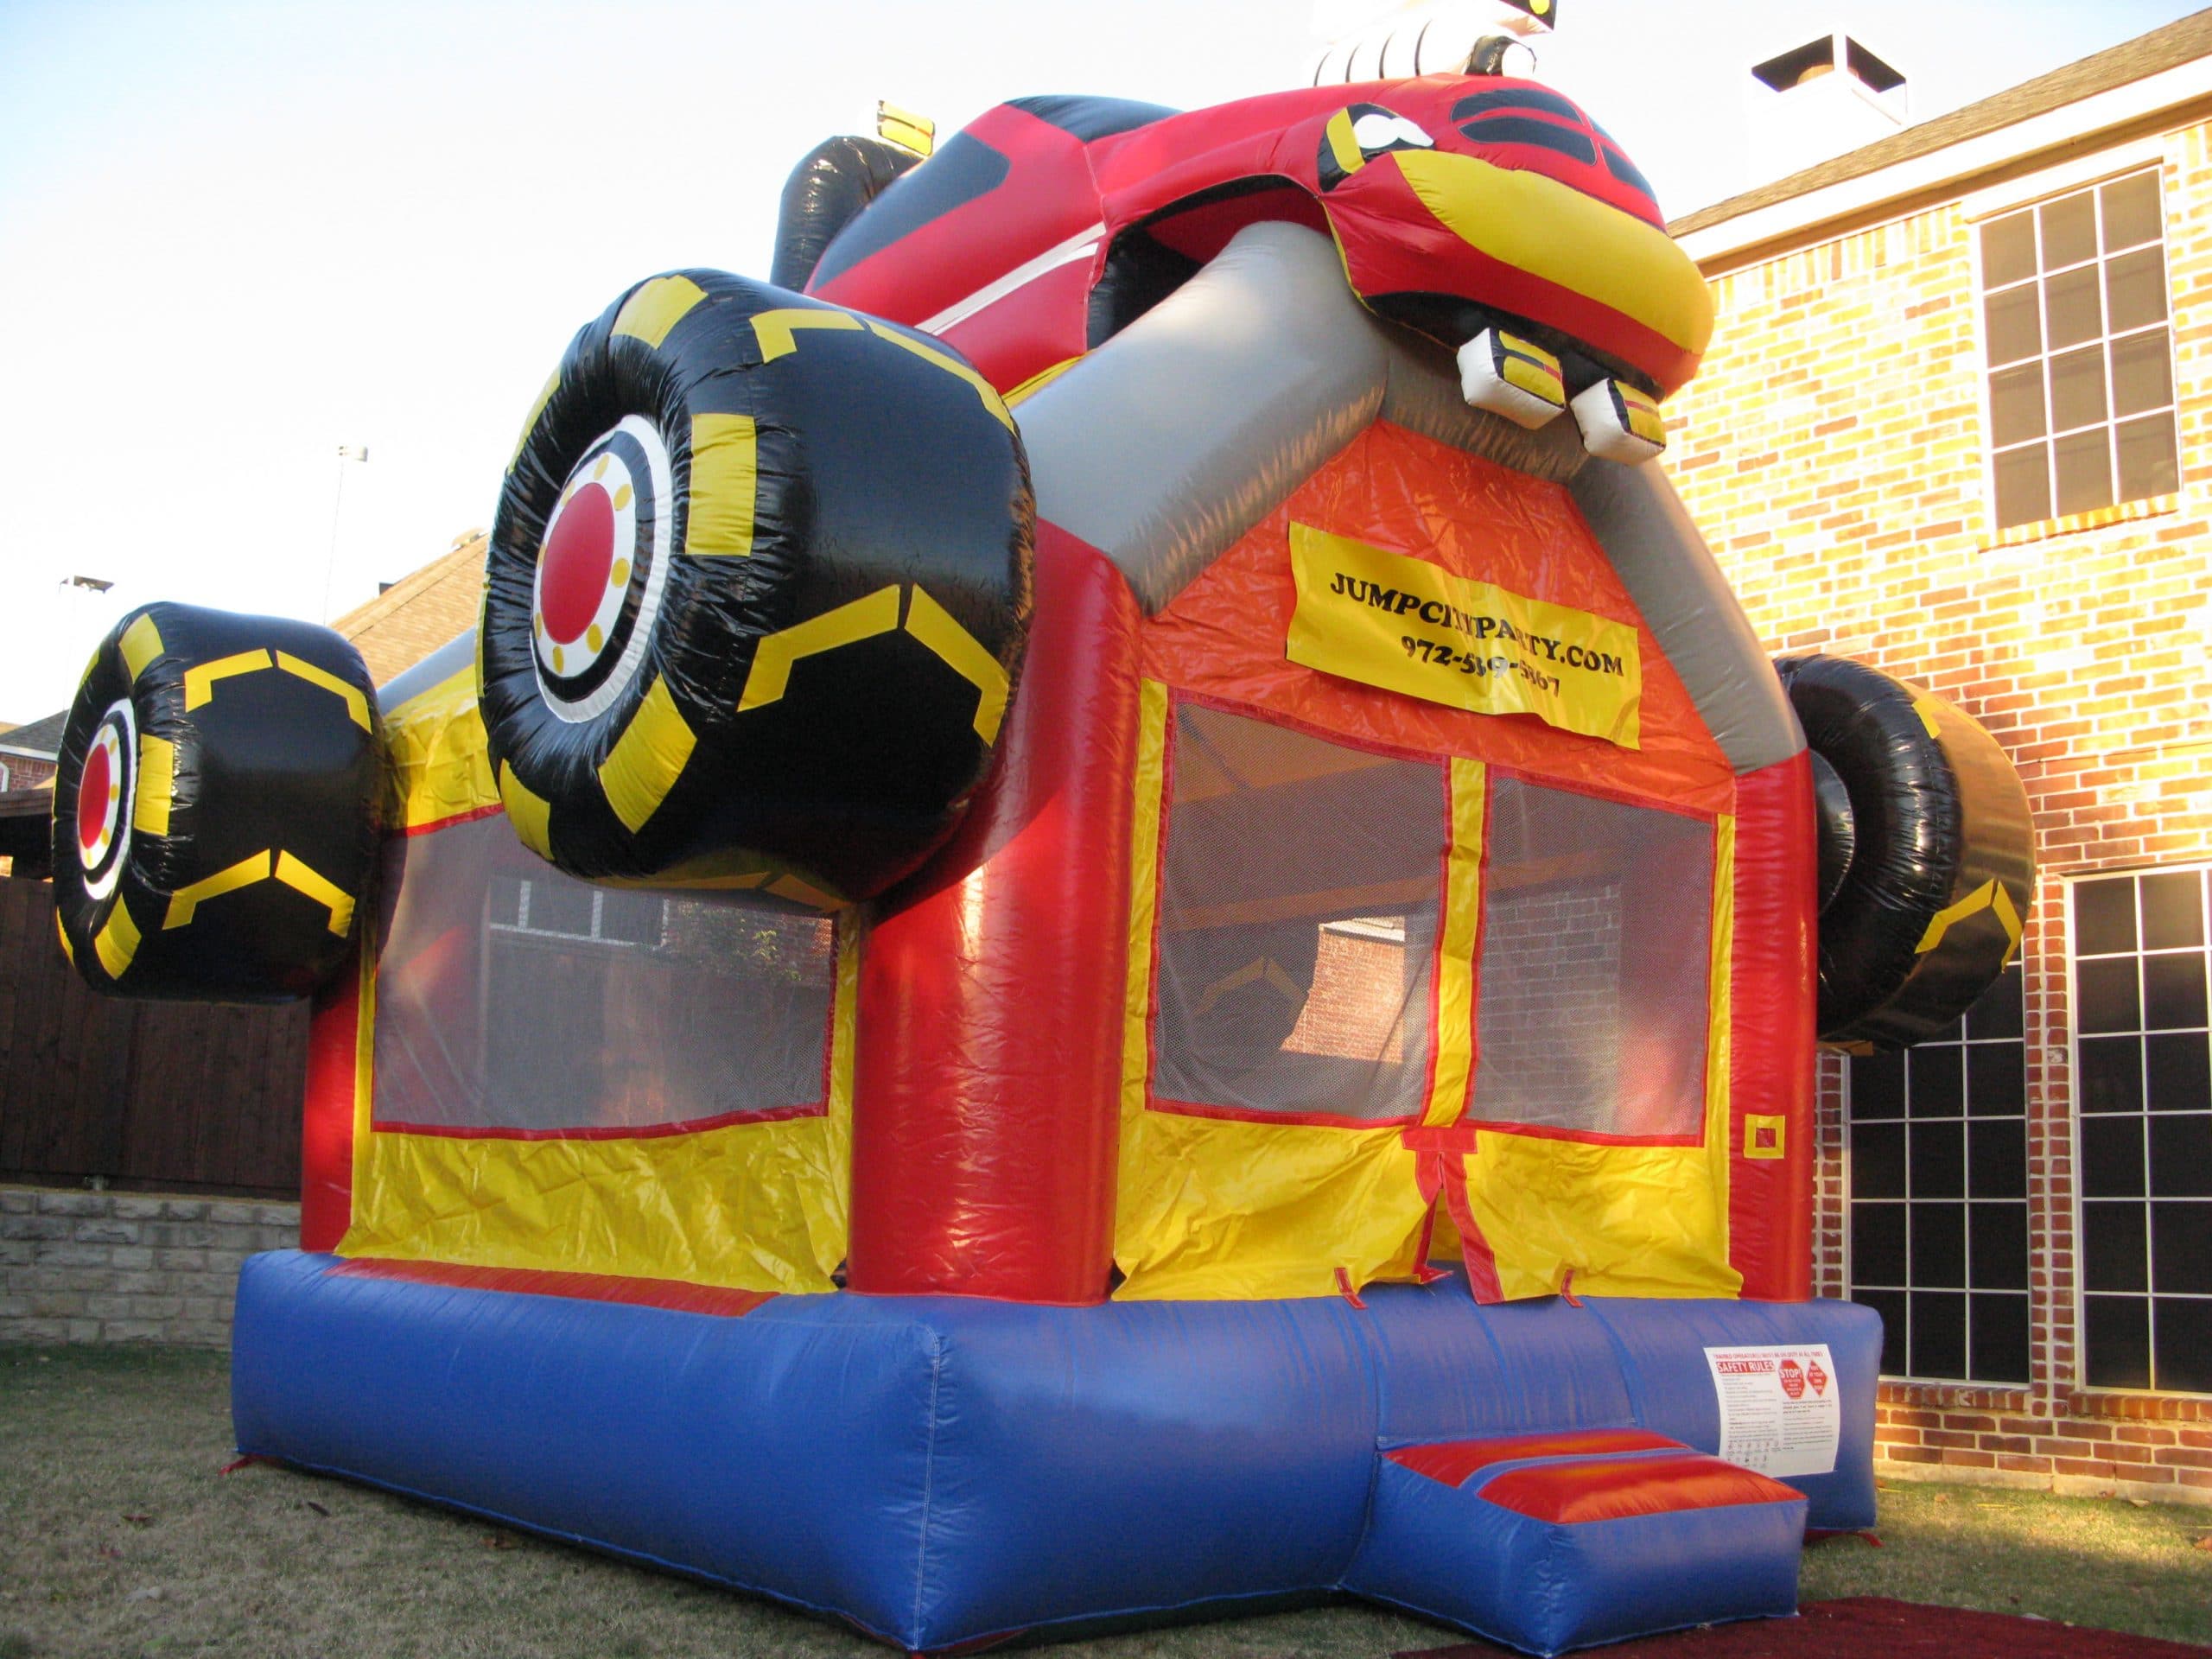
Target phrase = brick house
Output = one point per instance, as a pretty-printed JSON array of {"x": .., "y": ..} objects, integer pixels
[
  {"x": 1957, "y": 422},
  {"x": 27, "y": 753},
  {"x": 420, "y": 612}
]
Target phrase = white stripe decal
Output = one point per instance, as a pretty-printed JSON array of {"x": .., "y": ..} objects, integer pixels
[{"x": 1076, "y": 247}]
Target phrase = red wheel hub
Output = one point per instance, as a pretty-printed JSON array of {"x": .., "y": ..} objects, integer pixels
[
  {"x": 92, "y": 790},
  {"x": 577, "y": 564}
]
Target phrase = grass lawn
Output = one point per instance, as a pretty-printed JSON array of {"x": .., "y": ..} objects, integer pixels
[{"x": 117, "y": 1538}]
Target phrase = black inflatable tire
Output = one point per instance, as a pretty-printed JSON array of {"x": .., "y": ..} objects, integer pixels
[
  {"x": 1251, "y": 984},
  {"x": 215, "y": 813},
  {"x": 1940, "y": 869},
  {"x": 827, "y": 191},
  {"x": 756, "y": 594}
]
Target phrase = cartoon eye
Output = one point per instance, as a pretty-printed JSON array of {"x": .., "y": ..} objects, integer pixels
[
  {"x": 1378, "y": 130},
  {"x": 1356, "y": 135}
]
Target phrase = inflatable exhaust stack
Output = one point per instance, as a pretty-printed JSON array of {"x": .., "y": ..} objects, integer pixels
[{"x": 1113, "y": 916}]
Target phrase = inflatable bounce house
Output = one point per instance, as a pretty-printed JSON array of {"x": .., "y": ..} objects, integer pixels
[{"x": 1112, "y": 919}]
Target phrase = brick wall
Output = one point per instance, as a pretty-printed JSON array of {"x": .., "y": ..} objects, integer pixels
[
  {"x": 1358, "y": 1004},
  {"x": 26, "y": 771},
  {"x": 129, "y": 1267},
  {"x": 1832, "y": 451},
  {"x": 1551, "y": 998}
]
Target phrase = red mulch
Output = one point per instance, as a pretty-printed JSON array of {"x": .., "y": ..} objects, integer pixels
[{"x": 1856, "y": 1627}]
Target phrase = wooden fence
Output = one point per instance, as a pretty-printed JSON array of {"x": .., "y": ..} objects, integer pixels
[{"x": 168, "y": 1095}]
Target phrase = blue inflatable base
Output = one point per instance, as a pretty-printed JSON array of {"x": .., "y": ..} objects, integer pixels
[{"x": 938, "y": 1470}]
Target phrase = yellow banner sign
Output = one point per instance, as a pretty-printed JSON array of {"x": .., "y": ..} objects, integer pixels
[{"x": 1403, "y": 625}]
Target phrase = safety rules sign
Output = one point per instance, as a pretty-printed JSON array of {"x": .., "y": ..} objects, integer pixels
[
  {"x": 1779, "y": 1410},
  {"x": 1382, "y": 618}
]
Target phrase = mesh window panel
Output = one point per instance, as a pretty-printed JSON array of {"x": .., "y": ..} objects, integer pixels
[
  {"x": 512, "y": 998},
  {"x": 1296, "y": 923},
  {"x": 1596, "y": 953}
]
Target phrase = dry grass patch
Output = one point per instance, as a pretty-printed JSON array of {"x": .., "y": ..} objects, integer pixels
[{"x": 2114, "y": 1566}]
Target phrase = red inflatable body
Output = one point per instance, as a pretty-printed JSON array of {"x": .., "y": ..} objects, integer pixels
[{"x": 1039, "y": 229}]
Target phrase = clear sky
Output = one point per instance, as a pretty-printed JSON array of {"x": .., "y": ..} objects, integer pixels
[{"x": 234, "y": 238}]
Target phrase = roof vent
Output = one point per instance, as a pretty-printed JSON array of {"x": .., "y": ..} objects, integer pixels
[{"x": 1817, "y": 100}]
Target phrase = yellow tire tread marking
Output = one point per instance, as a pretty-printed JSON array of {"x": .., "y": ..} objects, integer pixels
[
  {"x": 200, "y": 683},
  {"x": 657, "y": 307},
  {"x": 647, "y": 759},
  {"x": 863, "y": 618},
  {"x": 790, "y": 887},
  {"x": 296, "y": 875},
  {"x": 1926, "y": 708},
  {"x": 530, "y": 814},
  {"x": 725, "y": 478},
  {"x": 529, "y": 421},
  {"x": 773, "y": 328},
  {"x": 140, "y": 644},
  {"x": 993, "y": 403},
  {"x": 68, "y": 950},
  {"x": 185, "y": 902},
  {"x": 1261, "y": 969},
  {"x": 1990, "y": 895},
  {"x": 156, "y": 791},
  {"x": 936, "y": 627},
  {"x": 357, "y": 704},
  {"x": 117, "y": 942}
]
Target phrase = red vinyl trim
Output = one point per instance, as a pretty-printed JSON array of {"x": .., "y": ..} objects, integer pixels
[
  {"x": 601, "y": 1131},
  {"x": 1305, "y": 1119},
  {"x": 1321, "y": 734},
  {"x": 436, "y": 824},
  {"x": 1474, "y": 1245},
  {"x": 578, "y": 1287},
  {"x": 1616, "y": 1488},
  {"x": 1454, "y": 1461},
  {"x": 1599, "y": 792}
]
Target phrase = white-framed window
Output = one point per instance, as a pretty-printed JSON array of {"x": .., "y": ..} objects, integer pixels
[
  {"x": 2142, "y": 1128},
  {"x": 564, "y": 909},
  {"x": 2078, "y": 351},
  {"x": 1939, "y": 1196}
]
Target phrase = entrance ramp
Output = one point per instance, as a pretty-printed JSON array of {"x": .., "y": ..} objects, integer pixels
[{"x": 1552, "y": 1541}]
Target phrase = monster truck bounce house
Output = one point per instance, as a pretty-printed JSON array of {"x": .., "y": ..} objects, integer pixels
[{"x": 1113, "y": 916}]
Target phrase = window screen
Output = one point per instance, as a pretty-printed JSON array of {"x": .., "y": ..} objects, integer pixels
[
  {"x": 1939, "y": 1196},
  {"x": 2080, "y": 365},
  {"x": 1296, "y": 923},
  {"x": 510, "y": 997},
  {"x": 2145, "y": 1158},
  {"x": 1590, "y": 990}
]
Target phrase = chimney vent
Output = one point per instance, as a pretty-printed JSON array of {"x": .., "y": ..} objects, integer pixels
[{"x": 1817, "y": 100}]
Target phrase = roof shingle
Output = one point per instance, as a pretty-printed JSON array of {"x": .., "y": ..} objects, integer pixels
[{"x": 2178, "y": 42}]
